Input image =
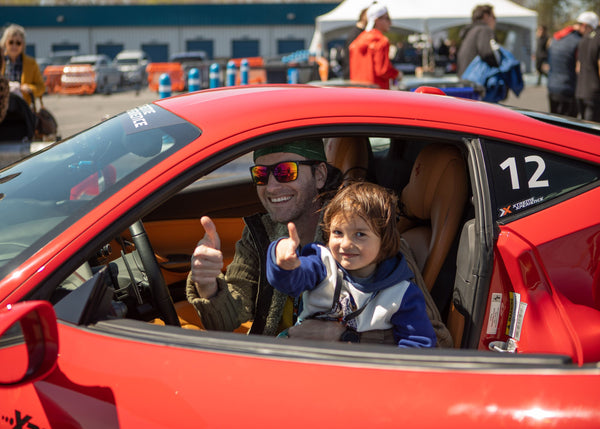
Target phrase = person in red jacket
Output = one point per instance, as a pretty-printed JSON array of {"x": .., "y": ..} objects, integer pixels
[{"x": 369, "y": 52}]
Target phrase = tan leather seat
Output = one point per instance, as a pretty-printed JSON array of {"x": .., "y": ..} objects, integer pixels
[
  {"x": 350, "y": 155},
  {"x": 433, "y": 205}
]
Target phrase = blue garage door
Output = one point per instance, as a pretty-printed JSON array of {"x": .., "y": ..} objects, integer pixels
[
  {"x": 158, "y": 52},
  {"x": 288, "y": 46},
  {"x": 110, "y": 50},
  {"x": 30, "y": 50},
  {"x": 244, "y": 48},
  {"x": 201, "y": 45},
  {"x": 65, "y": 47}
]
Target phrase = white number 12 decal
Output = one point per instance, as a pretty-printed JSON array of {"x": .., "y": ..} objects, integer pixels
[{"x": 534, "y": 181}]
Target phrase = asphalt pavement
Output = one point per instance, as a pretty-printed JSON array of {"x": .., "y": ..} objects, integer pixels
[{"x": 75, "y": 113}]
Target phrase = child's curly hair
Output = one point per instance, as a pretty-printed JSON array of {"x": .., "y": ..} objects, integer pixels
[{"x": 376, "y": 205}]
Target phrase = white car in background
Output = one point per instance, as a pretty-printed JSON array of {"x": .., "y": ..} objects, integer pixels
[
  {"x": 86, "y": 74},
  {"x": 132, "y": 65}
]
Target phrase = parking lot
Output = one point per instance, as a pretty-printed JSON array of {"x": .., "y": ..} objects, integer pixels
[{"x": 75, "y": 113}]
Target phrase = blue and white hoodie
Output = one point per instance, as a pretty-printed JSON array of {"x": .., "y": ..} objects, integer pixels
[{"x": 393, "y": 300}]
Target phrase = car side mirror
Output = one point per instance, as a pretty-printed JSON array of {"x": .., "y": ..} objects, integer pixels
[{"x": 28, "y": 342}]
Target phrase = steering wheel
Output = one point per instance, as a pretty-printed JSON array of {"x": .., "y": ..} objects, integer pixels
[{"x": 160, "y": 291}]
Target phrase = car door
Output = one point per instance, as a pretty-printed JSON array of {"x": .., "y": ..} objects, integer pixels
[
  {"x": 544, "y": 294},
  {"x": 131, "y": 374}
]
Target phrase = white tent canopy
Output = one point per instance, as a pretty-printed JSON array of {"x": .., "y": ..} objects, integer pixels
[{"x": 430, "y": 16}]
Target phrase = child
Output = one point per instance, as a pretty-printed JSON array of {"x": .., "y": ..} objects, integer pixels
[{"x": 360, "y": 279}]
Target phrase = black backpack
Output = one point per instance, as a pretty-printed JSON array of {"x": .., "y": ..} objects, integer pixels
[{"x": 19, "y": 123}]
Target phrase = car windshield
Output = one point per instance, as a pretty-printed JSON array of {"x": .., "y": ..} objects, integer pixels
[{"x": 46, "y": 193}]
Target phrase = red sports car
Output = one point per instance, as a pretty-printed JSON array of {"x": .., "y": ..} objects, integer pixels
[{"x": 499, "y": 208}]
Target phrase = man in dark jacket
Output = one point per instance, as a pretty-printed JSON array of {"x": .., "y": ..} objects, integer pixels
[
  {"x": 587, "y": 92},
  {"x": 224, "y": 301},
  {"x": 562, "y": 77},
  {"x": 478, "y": 39}
]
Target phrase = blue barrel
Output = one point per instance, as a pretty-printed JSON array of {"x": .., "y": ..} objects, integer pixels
[
  {"x": 292, "y": 75},
  {"x": 231, "y": 73},
  {"x": 164, "y": 85},
  {"x": 213, "y": 75},
  {"x": 193, "y": 79},
  {"x": 244, "y": 71}
]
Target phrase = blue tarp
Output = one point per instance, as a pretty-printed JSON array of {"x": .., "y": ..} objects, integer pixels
[{"x": 496, "y": 80}]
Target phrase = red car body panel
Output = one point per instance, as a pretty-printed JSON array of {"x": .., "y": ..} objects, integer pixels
[
  {"x": 561, "y": 291},
  {"x": 560, "y": 287},
  {"x": 262, "y": 113},
  {"x": 458, "y": 400}
]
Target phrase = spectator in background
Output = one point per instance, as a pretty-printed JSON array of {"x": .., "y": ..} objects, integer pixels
[
  {"x": 478, "y": 39},
  {"x": 541, "y": 53},
  {"x": 21, "y": 70},
  {"x": 4, "y": 90},
  {"x": 562, "y": 77},
  {"x": 369, "y": 52},
  {"x": 587, "y": 91},
  {"x": 352, "y": 35}
]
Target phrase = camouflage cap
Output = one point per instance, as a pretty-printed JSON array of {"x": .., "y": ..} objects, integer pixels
[{"x": 311, "y": 149}]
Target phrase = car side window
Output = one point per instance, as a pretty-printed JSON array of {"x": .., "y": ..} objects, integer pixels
[{"x": 522, "y": 178}]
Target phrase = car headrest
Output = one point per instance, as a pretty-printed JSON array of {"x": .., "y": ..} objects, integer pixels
[{"x": 350, "y": 155}]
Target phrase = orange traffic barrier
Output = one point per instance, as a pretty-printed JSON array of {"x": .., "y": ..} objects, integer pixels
[
  {"x": 257, "y": 73},
  {"x": 78, "y": 79},
  {"x": 52, "y": 76},
  {"x": 174, "y": 70},
  {"x": 252, "y": 61}
]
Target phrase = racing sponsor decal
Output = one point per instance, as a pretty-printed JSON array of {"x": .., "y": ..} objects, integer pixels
[
  {"x": 494, "y": 317},
  {"x": 138, "y": 115},
  {"x": 503, "y": 211},
  {"x": 19, "y": 421}
]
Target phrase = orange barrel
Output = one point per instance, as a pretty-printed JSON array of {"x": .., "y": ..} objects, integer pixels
[{"x": 174, "y": 70}]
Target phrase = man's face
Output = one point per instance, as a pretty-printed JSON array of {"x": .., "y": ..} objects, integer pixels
[
  {"x": 490, "y": 20},
  {"x": 288, "y": 202}
]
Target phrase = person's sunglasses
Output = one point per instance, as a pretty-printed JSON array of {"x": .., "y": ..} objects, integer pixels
[
  {"x": 286, "y": 171},
  {"x": 15, "y": 42}
]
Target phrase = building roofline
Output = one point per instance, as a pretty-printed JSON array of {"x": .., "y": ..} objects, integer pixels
[{"x": 166, "y": 15}]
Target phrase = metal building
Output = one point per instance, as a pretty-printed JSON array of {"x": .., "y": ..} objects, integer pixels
[{"x": 221, "y": 30}]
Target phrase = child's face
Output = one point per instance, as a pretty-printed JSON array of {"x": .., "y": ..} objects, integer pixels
[{"x": 354, "y": 245}]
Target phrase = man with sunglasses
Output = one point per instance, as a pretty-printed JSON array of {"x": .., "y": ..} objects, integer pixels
[{"x": 289, "y": 179}]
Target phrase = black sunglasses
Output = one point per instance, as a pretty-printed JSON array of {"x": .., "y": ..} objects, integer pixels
[
  {"x": 284, "y": 172},
  {"x": 15, "y": 42}
]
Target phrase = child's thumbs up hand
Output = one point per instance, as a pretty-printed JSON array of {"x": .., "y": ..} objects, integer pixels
[{"x": 285, "y": 251}]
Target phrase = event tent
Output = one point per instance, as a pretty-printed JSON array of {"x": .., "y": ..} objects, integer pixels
[{"x": 430, "y": 17}]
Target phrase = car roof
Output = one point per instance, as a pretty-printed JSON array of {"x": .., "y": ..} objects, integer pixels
[
  {"x": 267, "y": 105},
  {"x": 134, "y": 53}
]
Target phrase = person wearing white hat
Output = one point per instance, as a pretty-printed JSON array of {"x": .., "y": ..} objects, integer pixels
[
  {"x": 369, "y": 52},
  {"x": 587, "y": 92}
]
